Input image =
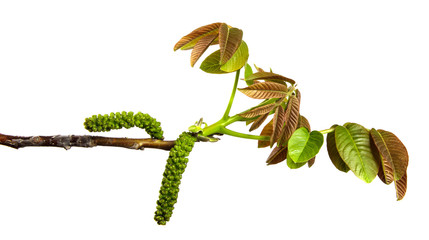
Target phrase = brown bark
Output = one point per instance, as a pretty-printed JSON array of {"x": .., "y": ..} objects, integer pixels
[{"x": 87, "y": 141}]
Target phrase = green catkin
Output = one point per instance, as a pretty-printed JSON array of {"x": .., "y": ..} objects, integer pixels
[
  {"x": 176, "y": 164},
  {"x": 105, "y": 123}
]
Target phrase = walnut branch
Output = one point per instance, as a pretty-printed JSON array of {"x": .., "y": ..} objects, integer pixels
[{"x": 87, "y": 141}]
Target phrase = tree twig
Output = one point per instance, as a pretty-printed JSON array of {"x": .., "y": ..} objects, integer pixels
[{"x": 87, "y": 141}]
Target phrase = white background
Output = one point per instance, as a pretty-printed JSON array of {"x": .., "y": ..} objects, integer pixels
[{"x": 62, "y": 61}]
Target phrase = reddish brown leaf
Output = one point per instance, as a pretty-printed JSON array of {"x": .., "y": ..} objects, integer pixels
[
  {"x": 278, "y": 122},
  {"x": 310, "y": 162},
  {"x": 291, "y": 120},
  {"x": 277, "y": 155},
  {"x": 265, "y": 90},
  {"x": 266, "y": 131},
  {"x": 303, "y": 122},
  {"x": 270, "y": 77},
  {"x": 189, "y": 41},
  {"x": 381, "y": 153},
  {"x": 201, "y": 46},
  {"x": 229, "y": 41},
  {"x": 398, "y": 153},
  {"x": 258, "y": 111},
  {"x": 258, "y": 122},
  {"x": 401, "y": 187}
]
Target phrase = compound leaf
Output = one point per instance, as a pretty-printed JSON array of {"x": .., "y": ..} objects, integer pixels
[
  {"x": 304, "y": 145},
  {"x": 353, "y": 145}
]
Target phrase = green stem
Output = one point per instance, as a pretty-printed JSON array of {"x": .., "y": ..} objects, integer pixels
[
  {"x": 327, "y": 131},
  {"x": 231, "y": 99},
  {"x": 243, "y": 135}
]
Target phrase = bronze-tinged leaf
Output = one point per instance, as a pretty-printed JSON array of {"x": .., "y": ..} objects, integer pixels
[
  {"x": 189, "y": 41},
  {"x": 229, "y": 41},
  {"x": 291, "y": 120},
  {"x": 381, "y": 153},
  {"x": 278, "y": 155},
  {"x": 258, "y": 122},
  {"x": 201, "y": 46},
  {"x": 266, "y": 131},
  {"x": 298, "y": 95},
  {"x": 258, "y": 68},
  {"x": 398, "y": 153},
  {"x": 333, "y": 153},
  {"x": 303, "y": 122},
  {"x": 265, "y": 90},
  {"x": 278, "y": 122},
  {"x": 270, "y": 77},
  {"x": 310, "y": 162},
  {"x": 258, "y": 111},
  {"x": 401, "y": 187}
]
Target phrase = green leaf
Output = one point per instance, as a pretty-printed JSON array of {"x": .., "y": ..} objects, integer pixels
[
  {"x": 247, "y": 72},
  {"x": 291, "y": 164},
  {"x": 211, "y": 63},
  {"x": 333, "y": 152},
  {"x": 238, "y": 60},
  {"x": 304, "y": 145},
  {"x": 353, "y": 145}
]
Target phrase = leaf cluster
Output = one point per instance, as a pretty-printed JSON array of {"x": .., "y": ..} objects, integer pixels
[{"x": 231, "y": 56}]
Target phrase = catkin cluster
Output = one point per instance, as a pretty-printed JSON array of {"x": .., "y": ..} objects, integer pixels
[
  {"x": 176, "y": 164},
  {"x": 105, "y": 123}
]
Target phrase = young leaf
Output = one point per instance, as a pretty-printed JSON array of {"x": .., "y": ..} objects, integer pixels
[
  {"x": 381, "y": 153},
  {"x": 304, "y": 145},
  {"x": 189, "y": 41},
  {"x": 278, "y": 122},
  {"x": 266, "y": 131},
  {"x": 258, "y": 111},
  {"x": 201, "y": 46},
  {"x": 353, "y": 145},
  {"x": 291, "y": 164},
  {"x": 247, "y": 72},
  {"x": 269, "y": 76},
  {"x": 311, "y": 162},
  {"x": 277, "y": 155},
  {"x": 393, "y": 153},
  {"x": 291, "y": 120},
  {"x": 401, "y": 187},
  {"x": 333, "y": 152},
  {"x": 265, "y": 90},
  {"x": 303, "y": 122},
  {"x": 237, "y": 60},
  {"x": 211, "y": 63},
  {"x": 258, "y": 122},
  {"x": 229, "y": 41}
]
